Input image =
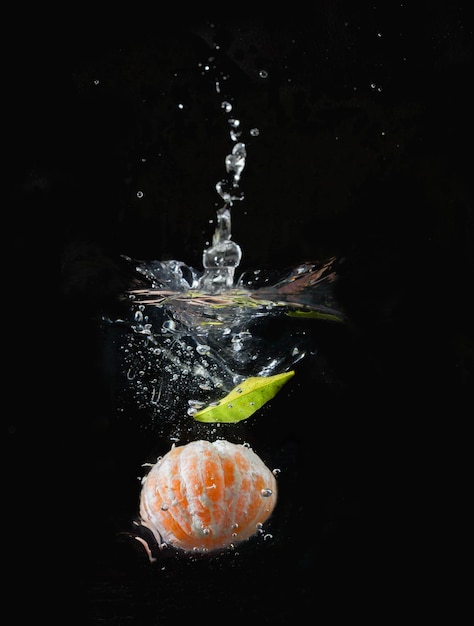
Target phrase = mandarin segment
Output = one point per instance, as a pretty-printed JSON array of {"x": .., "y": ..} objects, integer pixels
[{"x": 205, "y": 496}]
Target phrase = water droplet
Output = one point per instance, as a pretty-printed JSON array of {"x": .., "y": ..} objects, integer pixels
[
  {"x": 263, "y": 74},
  {"x": 266, "y": 493},
  {"x": 165, "y": 506},
  {"x": 254, "y": 132},
  {"x": 140, "y": 194}
]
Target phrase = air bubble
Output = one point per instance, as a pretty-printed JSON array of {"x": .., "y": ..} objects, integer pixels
[
  {"x": 169, "y": 326},
  {"x": 203, "y": 349}
]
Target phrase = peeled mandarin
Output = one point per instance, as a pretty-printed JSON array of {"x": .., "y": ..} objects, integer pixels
[{"x": 205, "y": 496}]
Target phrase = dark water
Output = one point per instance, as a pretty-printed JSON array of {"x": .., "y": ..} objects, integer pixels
[{"x": 360, "y": 156}]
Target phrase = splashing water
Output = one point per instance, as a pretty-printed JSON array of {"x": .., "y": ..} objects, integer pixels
[
  {"x": 189, "y": 348},
  {"x": 221, "y": 259},
  {"x": 194, "y": 335}
]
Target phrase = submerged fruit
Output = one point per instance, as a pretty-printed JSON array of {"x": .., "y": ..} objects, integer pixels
[{"x": 204, "y": 496}]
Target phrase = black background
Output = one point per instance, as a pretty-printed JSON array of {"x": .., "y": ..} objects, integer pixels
[{"x": 363, "y": 153}]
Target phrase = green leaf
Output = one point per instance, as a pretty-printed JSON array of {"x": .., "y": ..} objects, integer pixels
[
  {"x": 244, "y": 400},
  {"x": 317, "y": 315}
]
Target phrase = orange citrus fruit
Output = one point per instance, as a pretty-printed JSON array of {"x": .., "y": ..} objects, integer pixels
[{"x": 205, "y": 495}]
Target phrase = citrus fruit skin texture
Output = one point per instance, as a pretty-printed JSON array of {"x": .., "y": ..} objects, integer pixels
[{"x": 205, "y": 496}]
